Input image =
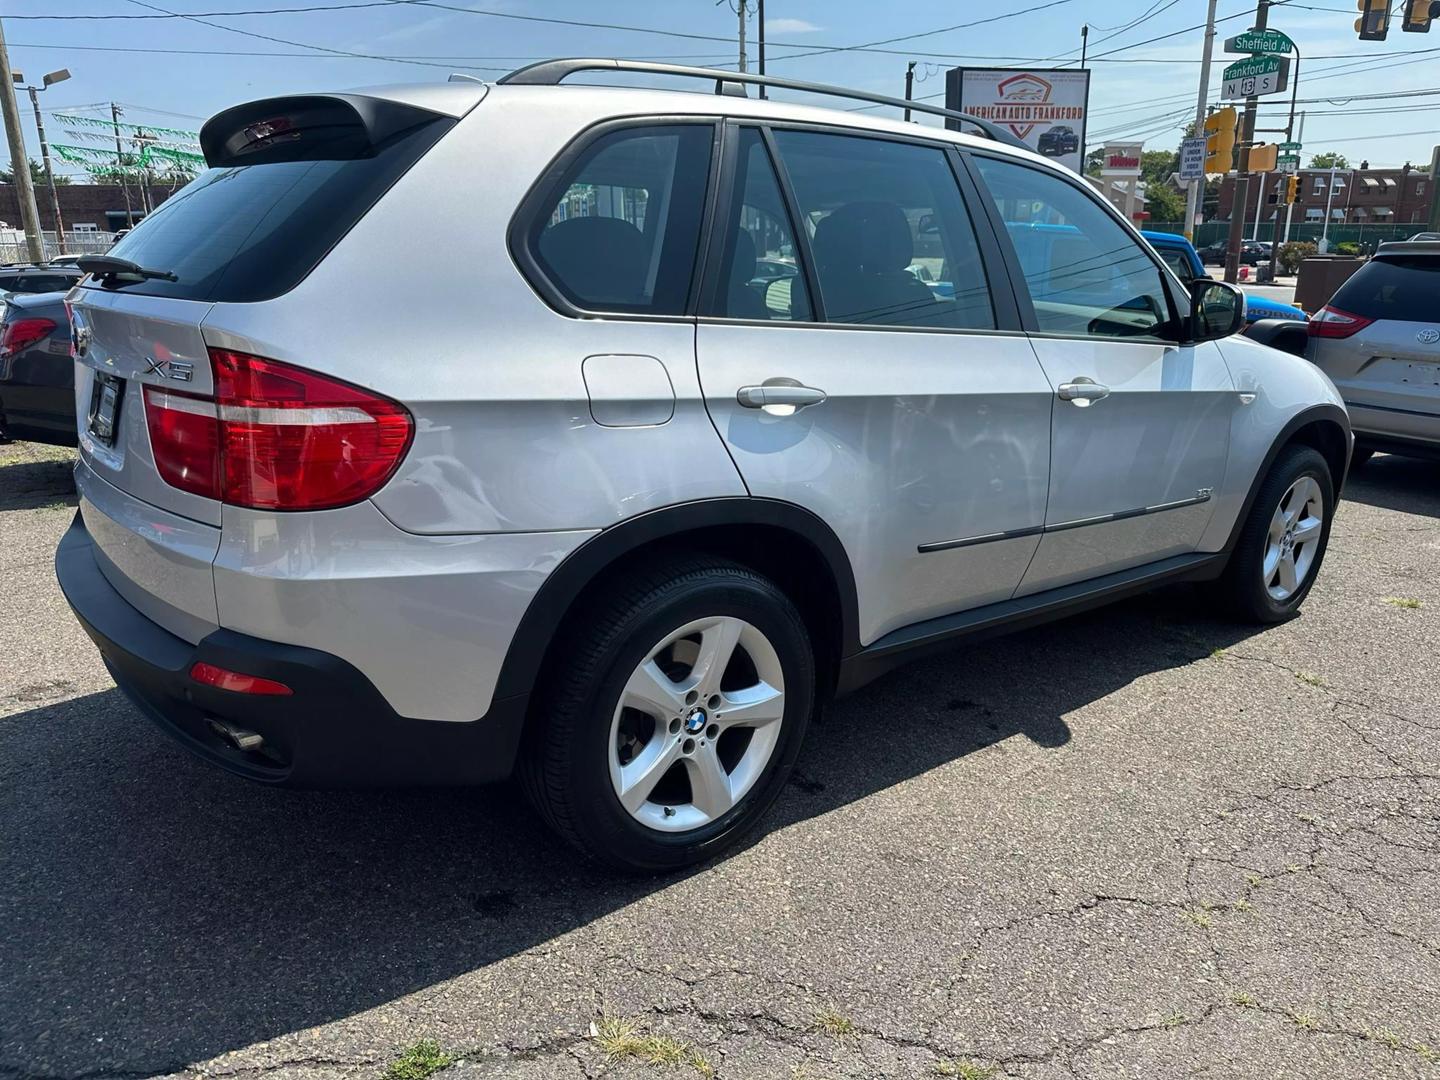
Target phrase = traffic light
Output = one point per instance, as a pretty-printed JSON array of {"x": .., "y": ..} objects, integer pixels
[
  {"x": 1292, "y": 189},
  {"x": 1220, "y": 139},
  {"x": 1418, "y": 14},
  {"x": 1262, "y": 157},
  {"x": 1374, "y": 21}
]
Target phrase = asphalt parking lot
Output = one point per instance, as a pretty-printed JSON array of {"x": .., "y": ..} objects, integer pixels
[{"x": 1139, "y": 843}]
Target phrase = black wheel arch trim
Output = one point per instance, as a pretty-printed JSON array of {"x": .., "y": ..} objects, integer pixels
[
  {"x": 583, "y": 566},
  {"x": 1304, "y": 418}
]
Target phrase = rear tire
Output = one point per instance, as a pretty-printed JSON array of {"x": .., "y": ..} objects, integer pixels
[
  {"x": 1282, "y": 541},
  {"x": 676, "y": 709}
]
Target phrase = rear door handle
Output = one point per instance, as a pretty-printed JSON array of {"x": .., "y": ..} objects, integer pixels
[
  {"x": 775, "y": 392},
  {"x": 1082, "y": 391}
]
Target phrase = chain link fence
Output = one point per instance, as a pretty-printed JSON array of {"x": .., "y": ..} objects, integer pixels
[
  {"x": 13, "y": 248},
  {"x": 1368, "y": 236}
]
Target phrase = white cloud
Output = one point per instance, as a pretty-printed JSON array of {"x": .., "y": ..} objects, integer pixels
[{"x": 789, "y": 26}]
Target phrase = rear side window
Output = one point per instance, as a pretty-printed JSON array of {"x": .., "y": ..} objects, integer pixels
[
  {"x": 252, "y": 232},
  {"x": 38, "y": 283},
  {"x": 760, "y": 274},
  {"x": 619, "y": 232},
  {"x": 1403, "y": 288},
  {"x": 892, "y": 241}
]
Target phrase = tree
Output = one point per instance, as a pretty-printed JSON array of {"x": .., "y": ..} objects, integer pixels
[
  {"x": 37, "y": 176},
  {"x": 1329, "y": 160}
]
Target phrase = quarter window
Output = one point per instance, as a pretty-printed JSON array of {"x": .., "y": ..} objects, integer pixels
[
  {"x": 621, "y": 230},
  {"x": 760, "y": 276},
  {"x": 892, "y": 242},
  {"x": 1085, "y": 273}
]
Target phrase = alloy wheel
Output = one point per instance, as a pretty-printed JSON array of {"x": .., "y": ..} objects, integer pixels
[
  {"x": 1293, "y": 539},
  {"x": 696, "y": 724}
]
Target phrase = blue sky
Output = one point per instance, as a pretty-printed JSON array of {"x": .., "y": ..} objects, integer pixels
[{"x": 1145, "y": 99}]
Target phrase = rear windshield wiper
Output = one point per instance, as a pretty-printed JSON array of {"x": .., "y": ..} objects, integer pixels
[{"x": 109, "y": 268}]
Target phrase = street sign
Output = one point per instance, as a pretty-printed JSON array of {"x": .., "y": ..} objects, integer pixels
[
  {"x": 1192, "y": 158},
  {"x": 1256, "y": 76},
  {"x": 1289, "y": 147},
  {"x": 1288, "y": 163},
  {"x": 1260, "y": 41}
]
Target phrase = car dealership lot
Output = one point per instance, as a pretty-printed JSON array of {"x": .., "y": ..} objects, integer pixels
[{"x": 1140, "y": 842}]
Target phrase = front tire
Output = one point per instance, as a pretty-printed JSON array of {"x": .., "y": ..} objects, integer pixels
[
  {"x": 677, "y": 707},
  {"x": 1283, "y": 540}
]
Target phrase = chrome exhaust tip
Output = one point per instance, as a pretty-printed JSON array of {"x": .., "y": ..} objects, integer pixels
[{"x": 238, "y": 737}]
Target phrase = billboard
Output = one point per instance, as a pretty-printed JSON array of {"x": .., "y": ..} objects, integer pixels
[{"x": 1044, "y": 107}]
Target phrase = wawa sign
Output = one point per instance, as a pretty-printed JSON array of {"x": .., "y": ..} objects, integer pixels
[{"x": 1045, "y": 108}]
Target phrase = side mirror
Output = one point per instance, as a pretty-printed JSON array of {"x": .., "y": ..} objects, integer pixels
[{"x": 1217, "y": 309}]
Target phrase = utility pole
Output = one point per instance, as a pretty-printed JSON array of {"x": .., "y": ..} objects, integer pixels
[
  {"x": 1325, "y": 228},
  {"x": 1192, "y": 194},
  {"x": 741, "y": 8},
  {"x": 909, "y": 86},
  {"x": 120, "y": 165},
  {"x": 760, "y": 35},
  {"x": 19, "y": 163},
  {"x": 50, "y": 80},
  {"x": 1242, "y": 177}
]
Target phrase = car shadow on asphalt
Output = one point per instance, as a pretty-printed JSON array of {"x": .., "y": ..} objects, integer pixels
[
  {"x": 30, "y": 485},
  {"x": 159, "y": 912},
  {"x": 1410, "y": 485}
]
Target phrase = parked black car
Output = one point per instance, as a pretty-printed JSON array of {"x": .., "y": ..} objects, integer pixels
[
  {"x": 1251, "y": 253},
  {"x": 38, "y": 279},
  {"x": 1058, "y": 141},
  {"x": 37, "y": 375}
]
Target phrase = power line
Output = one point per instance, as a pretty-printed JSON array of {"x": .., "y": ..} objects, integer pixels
[{"x": 208, "y": 14}]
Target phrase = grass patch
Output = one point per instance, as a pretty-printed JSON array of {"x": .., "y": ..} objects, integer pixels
[
  {"x": 965, "y": 1070},
  {"x": 1200, "y": 918},
  {"x": 1242, "y": 905},
  {"x": 1244, "y": 1000},
  {"x": 1218, "y": 654},
  {"x": 1309, "y": 678},
  {"x": 1175, "y": 1019},
  {"x": 1386, "y": 1036},
  {"x": 622, "y": 1039},
  {"x": 1409, "y": 603},
  {"x": 422, "y": 1060},
  {"x": 834, "y": 1023},
  {"x": 1304, "y": 1020}
]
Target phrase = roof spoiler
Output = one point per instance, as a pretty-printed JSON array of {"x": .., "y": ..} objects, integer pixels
[{"x": 307, "y": 127}]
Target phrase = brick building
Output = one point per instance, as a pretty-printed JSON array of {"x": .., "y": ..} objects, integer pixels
[
  {"x": 1362, "y": 196},
  {"x": 85, "y": 207}
]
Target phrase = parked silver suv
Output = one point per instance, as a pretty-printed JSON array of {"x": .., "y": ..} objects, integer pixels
[
  {"x": 592, "y": 497},
  {"x": 1379, "y": 339}
]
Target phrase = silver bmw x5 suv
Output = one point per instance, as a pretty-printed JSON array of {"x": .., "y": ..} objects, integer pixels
[{"x": 593, "y": 499}]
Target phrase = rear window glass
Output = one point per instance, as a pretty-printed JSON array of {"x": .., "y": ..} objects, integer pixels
[
  {"x": 620, "y": 230},
  {"x": 1401, "y": 288},
  {"x": 252, "y": 232}
]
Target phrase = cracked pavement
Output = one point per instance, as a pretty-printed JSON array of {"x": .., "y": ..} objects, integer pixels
[{"x": 1142, "y": 842}]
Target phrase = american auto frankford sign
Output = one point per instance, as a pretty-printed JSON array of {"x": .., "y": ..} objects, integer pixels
[{"x": 1044, "y": 108}]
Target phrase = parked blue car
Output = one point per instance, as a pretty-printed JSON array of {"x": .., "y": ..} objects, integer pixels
[{"x": 1180, "y": 255}]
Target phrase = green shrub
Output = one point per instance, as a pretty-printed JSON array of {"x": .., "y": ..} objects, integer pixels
[
  {"x": 1347, "y": 247},
  {"x": 1291, "y": 254}
]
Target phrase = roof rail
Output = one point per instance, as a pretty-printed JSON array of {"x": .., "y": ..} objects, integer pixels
[{"x": 553, "y": 72}]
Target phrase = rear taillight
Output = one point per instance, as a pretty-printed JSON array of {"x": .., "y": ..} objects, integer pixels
[
  {"x": 276, "y": 437},
  {"x": 22, "y": 333},
  {"x": 1331, "y": 322}
]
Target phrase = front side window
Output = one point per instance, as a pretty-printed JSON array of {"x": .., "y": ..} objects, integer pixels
[
  {"x": 760, "y": 274},
  {"x": 892, "y": 242},
  {"x": 1086, "y": 274},
  {"x": 1177, "y": 262},
  {"x": 620, "y": 231}
]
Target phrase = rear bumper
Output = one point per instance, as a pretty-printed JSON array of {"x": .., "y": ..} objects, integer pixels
[
  {"x": 1418, "y": 428},
  {"x": 335, "y": 730}
]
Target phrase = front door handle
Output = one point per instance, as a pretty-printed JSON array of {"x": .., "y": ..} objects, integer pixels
[
  {"x": 1082, "y": 391},
  {"x": 777, "y": 392}
]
